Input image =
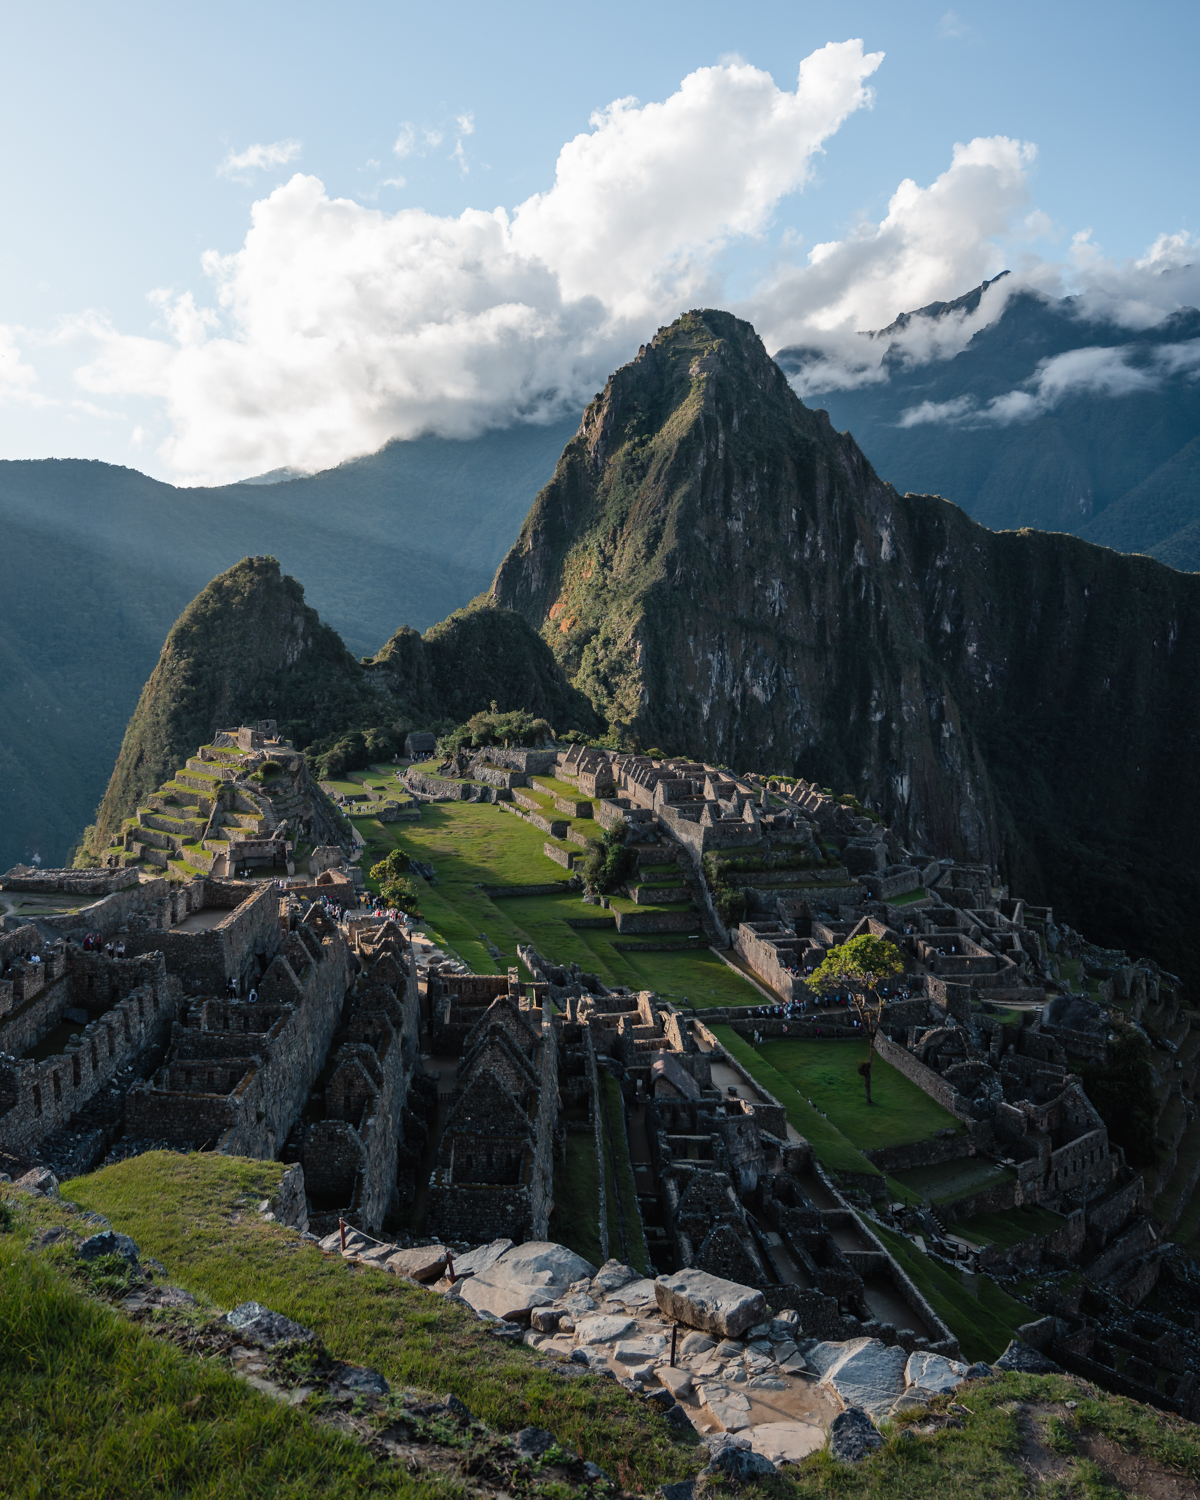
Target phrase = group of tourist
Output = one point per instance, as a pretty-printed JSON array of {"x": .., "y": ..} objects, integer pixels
[{"x": 94, "y": 942}]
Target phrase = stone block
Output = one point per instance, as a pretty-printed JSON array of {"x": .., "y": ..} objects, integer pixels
[
  {"x": 862, "y": 1372},
  {"x": 426, "y": 1263},
  {"x": 709, "y": 1302}
]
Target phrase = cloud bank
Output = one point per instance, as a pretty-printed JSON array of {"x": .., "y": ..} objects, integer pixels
[
  {"x": 239, "y": 165},
  {"x": 336, "y": 326}
]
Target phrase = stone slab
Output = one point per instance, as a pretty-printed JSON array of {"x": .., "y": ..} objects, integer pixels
[{"x": 709, "y": 1302}]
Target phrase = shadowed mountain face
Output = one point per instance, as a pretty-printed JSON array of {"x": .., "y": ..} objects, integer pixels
[
  {"x": 1107, "y": 451},
  {"x": 724, "y": 574}
]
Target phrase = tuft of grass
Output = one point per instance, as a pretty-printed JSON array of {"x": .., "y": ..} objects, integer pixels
[{"x": 91, "y": 1405}]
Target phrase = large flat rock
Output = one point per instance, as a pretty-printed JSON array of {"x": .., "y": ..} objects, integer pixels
[
  {"x": 862, "y": 1372},
  {"x": 933, "y": 1372},
  {"x": 703, "y": 1301},
  {"x": 790, "y": 1441},
  {"x": 603, "y": 1328},
  {"x": 525, "y": 1277},
  {"x": 480, "y": 1258}
]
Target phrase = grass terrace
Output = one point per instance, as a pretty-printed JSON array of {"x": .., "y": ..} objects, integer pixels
[
  {"x": 118, "y": 1402},
  {"x": 951, "y": 1180},
  {"x": 475, "y": 845},
  {"x": 827, "y": 1073},
  {"x": 1008, "y": 1228}
]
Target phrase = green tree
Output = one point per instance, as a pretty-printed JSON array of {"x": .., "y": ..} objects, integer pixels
[
  {"x": 395, "y": 888},
  {"x": 861, "y": 966},
  {"x": 609, "y": 861}
]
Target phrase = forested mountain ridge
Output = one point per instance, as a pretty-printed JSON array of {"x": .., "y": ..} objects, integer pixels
[
  {"x": 99, "y": 561},
  {"x": 725, "y": 575}
]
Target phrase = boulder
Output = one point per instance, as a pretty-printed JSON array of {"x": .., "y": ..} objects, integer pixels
[
  {"x": 108, "y": 1243},
  {"x": 786, "y": 1442},
  {"x": 933, "y": 1372},
  {"x": 708, "y": 1302},
  {"x": 259, "y": 1325},
  {"x": 863, "y": 1372},
  {"x": 603, "y": 1328},
  {"x": 612, "y": 1275},
  {"x": 38, "y": 1180},
  {"x": 480, "y": 1258},
  {"x": 679, "y": 1422},
  {"x": 635, "y": 1293},
  {"x": 545, "y": 1319},
  {"x": 1019, "y": 1356},
  {"x": 677, "y": 1381},
  {"x": 533, "y": 1442},
  {"x": 426, "y": 1263},
  {"x": 852, "y": 1436},
  {"x": 739, "y": 1464},
  {"x": 525, "y": 1277}
]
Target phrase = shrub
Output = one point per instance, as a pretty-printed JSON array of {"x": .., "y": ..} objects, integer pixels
[
  {"x": 610, "y": 862},
  {"x": 490, "y": 727},
  {"x": 1122, "y": 1090},
  {"x": 395, "y": 889},
  {"x": 731, "y": 904}
]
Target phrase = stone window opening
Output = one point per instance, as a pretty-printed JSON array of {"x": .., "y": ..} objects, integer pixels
[
  {"x": 37, "y": 1099},
  {"x": 76, "y": 1077},
  {"x": 57, "y": 1088}
]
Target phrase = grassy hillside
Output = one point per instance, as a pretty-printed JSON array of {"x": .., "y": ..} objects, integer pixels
[{"x": 92, "y": 1405}]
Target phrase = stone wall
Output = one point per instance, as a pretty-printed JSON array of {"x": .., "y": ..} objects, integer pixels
[
  {"x": 924, "y": 1077},
  {"x": 205, "y": 960},
  {"x": 927, "y": 1153},
  {"x": 37, "y": 1098}
]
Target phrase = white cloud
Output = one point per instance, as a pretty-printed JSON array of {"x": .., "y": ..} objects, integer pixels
[
  {"x": 338, "y": 327},
  {"x": 952, "y": 25},
  {"x": 1115, "y": 371},
  {"x": 17, "y": 379},
  {"x": 412, "y": 141},
  {"x": 933, "y": 243},
  {"x": 258, "y": 158}
]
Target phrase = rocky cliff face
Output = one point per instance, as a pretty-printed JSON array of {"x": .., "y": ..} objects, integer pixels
[{"x": 725, "y": 575}]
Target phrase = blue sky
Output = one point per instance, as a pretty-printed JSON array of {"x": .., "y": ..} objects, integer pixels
[{"x": 116, "y": 119}]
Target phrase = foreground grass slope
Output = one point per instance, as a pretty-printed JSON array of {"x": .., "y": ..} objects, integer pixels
[
  {"x": 91, "y": 1405},
  {"x": 195, "y": 1214}
]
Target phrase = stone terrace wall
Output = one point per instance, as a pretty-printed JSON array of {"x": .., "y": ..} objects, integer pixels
[
  {"x": 205, "y": 960},
  {"x": 924, "y": 1077},
  {"x": 38, "y": 1098},
  {"x": 109, "y": 915}
]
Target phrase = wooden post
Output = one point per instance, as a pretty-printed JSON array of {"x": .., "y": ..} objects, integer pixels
[
  {"x": 450, "y": 1268},
  {"x": 342, "y": 1233},
  {"x": 674, "y": 1336}
]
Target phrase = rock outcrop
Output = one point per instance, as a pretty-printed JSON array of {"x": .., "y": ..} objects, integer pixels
[{"x": 725, "y": 575}]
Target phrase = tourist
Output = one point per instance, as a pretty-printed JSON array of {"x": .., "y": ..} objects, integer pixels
[{"x": 253, "y": 997}]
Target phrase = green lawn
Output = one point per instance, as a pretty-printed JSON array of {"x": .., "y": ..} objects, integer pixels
[
  {"x": 619, "y": 1190},
  {"x": 1008, "y": 1228},
  {"x": 471, "y": 845},
  {"x": 827, "y": 1073},
  {"x": 575, "y": 1221},
  {"x": 983, "y": 1325},
  {"x": 195, "y": 1213},
  {"x": 831, "y": 1146},
  {"x": 949, "y": 1180}
]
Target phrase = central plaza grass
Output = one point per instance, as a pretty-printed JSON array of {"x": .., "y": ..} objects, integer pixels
[
  {"x": 1008, "y": 1228},
  {"x": 196, "y": 1214},
  {"x": 472, "y": 845},
  {"x": 827, "y": 1073}
]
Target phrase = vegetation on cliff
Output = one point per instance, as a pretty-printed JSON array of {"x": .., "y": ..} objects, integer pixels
[
  {"x": 716, "y": 567},
  {"x": 248, "y": 647}
]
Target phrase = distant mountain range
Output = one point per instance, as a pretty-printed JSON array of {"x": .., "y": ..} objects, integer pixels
[
  {"x": 1047, "y": 418},
  {"x": 98, "y": 562}
]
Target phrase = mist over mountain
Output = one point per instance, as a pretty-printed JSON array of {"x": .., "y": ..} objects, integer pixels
[
  {"x": 98, "y": 562},
  {"x": 1051, "y": 416}
]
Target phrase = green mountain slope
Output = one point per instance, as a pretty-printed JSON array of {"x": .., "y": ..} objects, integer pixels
[
  {"x": 725, "y": 575},
  {"x": 99, "y": 561},
  {"x": 248, "y": 647},
  {"x": 1155, "y": 514}
]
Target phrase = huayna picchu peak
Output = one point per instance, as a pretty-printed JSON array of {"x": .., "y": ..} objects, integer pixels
[{"x": 720, "y": 571}]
